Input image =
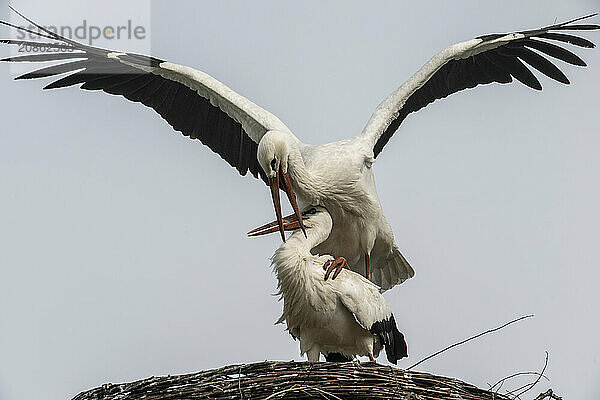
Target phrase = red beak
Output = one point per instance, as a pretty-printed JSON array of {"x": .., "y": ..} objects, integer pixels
[
  {"x": 274, "y": 184},
  {"x": 287, "y": 184},
  {"x": 290, "y": 223},
  {"x": 292, "y": 198}
]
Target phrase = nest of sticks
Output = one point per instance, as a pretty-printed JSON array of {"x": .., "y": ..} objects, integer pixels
[{"x": 295, "y": 380}]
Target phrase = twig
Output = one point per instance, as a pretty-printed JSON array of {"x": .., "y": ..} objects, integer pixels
[
  {"x": 530, "y": 386},
  {"x": 501, "y": 381},
  {"x": 240, "y": 382},
  {"x": 393, "y": 371},
  {"x": 467, "y": 340},
  {"x": 547, "y": 394},
  {"x": 302, "y": 388}
]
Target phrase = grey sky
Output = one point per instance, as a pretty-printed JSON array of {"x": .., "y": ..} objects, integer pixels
[{"x": 123, "y": 249}]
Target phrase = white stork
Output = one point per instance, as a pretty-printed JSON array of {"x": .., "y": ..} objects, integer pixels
[
  {"x": 336, "y": 175},
  {"x": 342, "y": 317}
]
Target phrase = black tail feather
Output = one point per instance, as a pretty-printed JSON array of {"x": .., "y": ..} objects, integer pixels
[
  {"x": 391, "y": 338},
  {"x": 400, "y": 346}
]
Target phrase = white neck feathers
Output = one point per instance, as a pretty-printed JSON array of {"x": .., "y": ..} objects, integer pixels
[
  {"x": 297, "y": 271},
  {"x": 305, "y": 183}
]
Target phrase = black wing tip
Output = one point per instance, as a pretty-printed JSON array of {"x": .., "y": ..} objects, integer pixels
[
  {"x": 400, "y": 348},
  {"x": 391, "y": 338},
  {"x": 53, "y": 85},
  {"x": 577, "y": 19},
  {"x": 48, "y": 33},
  {"x": 586, "y": 27}
]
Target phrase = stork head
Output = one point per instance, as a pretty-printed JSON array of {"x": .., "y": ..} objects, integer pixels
[
  {"x": 314, "y": 216},
  {"x": 273, "y": 152},
  {"x": 311, "y": 217},
  {"x": 273, "y": 156}
]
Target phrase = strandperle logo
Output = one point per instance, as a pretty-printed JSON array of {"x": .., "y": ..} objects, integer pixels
[{"x": 84, "y": 32}]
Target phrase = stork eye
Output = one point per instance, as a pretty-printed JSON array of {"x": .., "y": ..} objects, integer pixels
[
  {"x": 273, "y": 163},
  {"x": 311, "y": 211}
]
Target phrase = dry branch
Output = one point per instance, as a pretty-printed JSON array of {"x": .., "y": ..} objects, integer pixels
[
  {"x": 295, "y": 380},
  {"x": 437, "y": 353},
  {"x": 548, "y": 394}
]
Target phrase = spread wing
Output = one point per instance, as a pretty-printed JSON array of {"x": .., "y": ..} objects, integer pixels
[
  {"x": 192, "y": 102},
  {"x": 486, "y": 59}
]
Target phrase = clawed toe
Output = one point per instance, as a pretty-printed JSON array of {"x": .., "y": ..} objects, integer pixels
[{"x": 336, "y": 265}]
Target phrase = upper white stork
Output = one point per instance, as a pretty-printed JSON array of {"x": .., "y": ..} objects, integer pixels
[
  {"x": 342, "y": 317},
  {"x": 337, "y": 175}
]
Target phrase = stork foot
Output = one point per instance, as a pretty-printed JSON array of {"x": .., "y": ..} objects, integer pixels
[
  {"x": 371, "y": 360},
  {"x": 336, "y": 265}
]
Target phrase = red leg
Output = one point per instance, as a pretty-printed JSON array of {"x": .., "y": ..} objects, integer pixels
[
  {"x": 372, "y": 359},
  {"x": 367, "y": 266},
  {"x": 338, "y": 265}
]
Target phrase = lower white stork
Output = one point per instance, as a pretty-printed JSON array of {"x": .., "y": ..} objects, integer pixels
[
  {"x": 336, "y": 175},
  {"x": 345, "y": 315}
]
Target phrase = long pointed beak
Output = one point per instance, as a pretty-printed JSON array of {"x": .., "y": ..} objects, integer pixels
[
  {"x": 291, "y": 223},
  {"x": 289, "y": 218},
  {"x": 274, "y": 184},
  {"x": 279, "y": 223},
  {"x": 292, "y": 198}
]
